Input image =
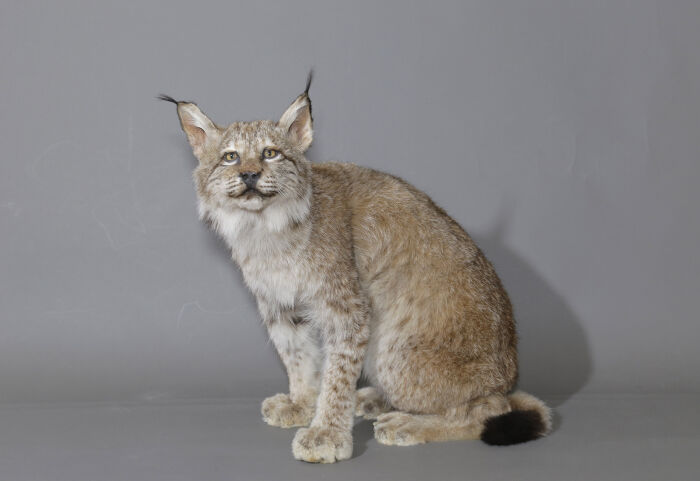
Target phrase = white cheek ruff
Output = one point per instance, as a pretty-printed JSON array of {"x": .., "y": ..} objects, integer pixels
[
  {"x": 270, "y": 257},
  {"x": 247, "y": 226},
  {"x": 280, "y": 215}
]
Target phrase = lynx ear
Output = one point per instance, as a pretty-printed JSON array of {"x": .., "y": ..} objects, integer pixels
[
  {"x": 199, "y": 129},
  {"x": 297, "y": 120}
]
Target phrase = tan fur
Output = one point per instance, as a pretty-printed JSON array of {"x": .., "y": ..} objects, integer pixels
[
  {"x": 354, "y": 269},
  {"x": 370, "y": 403}
]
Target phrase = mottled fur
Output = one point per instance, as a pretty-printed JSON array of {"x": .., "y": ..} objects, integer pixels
[{"x": 356, "y": 270}]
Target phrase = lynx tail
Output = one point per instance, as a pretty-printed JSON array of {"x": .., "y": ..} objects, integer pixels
[{"x": 529, "y": 419}]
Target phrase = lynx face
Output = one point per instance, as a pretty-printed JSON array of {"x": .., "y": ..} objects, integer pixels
[
  {"x": 255, "y": 164},
  {"x": 250, "y": 166}
]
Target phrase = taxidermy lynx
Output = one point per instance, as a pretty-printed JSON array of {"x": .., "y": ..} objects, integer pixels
[{"x": 357, "y": 271}]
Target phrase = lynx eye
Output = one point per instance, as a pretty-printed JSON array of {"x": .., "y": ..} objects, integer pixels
[
  {"x": 269, "y": 154},
  {"x": 231, "y": 158}
]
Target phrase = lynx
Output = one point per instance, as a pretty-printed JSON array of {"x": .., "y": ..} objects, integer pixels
[{"x": 357, "y": 272}]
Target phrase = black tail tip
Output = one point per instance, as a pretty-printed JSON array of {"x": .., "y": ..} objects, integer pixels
[{"x": 513, "y": 428}]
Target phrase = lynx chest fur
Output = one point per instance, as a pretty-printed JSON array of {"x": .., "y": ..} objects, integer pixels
[{"x": 273, "y": 259}]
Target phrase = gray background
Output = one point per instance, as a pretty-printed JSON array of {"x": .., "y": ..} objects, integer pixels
[{"x": 563, "y": 135}]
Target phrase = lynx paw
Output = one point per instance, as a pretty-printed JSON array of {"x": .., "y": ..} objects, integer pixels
[
  {"x": 322, "y": 445},
  {"x": 370, "y": 403},
  {"x": 279, "y": 410},
  {"x": 399, "y": 429}
]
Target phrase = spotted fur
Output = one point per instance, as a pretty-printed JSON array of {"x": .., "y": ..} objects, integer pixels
[{"x": 356, "y": 270}]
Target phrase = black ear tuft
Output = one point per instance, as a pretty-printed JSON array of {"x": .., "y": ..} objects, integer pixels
[
  {"x": 308, "y": 82},
  {"x": 513, "y": 428},
  {"x": 168, "y": 98}
]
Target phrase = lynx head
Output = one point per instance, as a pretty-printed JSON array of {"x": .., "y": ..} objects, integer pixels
[{"x": 250, "y": 166}]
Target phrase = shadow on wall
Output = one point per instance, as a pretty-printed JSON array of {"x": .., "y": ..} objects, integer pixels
[{"x": 554, "y": 352}]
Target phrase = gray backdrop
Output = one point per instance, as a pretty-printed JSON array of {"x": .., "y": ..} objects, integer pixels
[{"x": 563, "y": 135}]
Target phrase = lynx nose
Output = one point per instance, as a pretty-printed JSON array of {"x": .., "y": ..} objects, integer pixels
[{"x": 250, "y": 178}]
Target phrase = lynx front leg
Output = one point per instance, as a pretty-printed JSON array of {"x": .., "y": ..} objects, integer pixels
[
  {"x": 299, "y": 350},
  {"x": 345, "y": 333}
]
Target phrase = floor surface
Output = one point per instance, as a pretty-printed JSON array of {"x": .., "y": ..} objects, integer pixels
[{"x": 596, "y": 437}]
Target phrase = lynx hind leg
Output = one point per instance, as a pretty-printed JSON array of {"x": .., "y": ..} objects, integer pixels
[
  {"x": 370, "y": 403},
  {"x": 464, "y": 422}
]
